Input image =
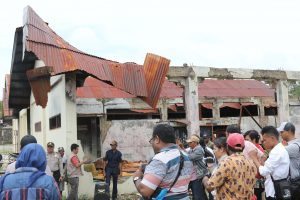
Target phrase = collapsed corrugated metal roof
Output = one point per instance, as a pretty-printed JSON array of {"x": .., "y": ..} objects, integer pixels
[
  {"x": 94, "y": 88},
  {"x": 234, "y": 88},
  {"x": 208, "y": 88},
  {"x": 42, "y": 43}
]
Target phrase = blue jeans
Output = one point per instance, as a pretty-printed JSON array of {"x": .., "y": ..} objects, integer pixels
[
  {"x": 111, "y": 172},
  {"x": 198, "y": 190}
]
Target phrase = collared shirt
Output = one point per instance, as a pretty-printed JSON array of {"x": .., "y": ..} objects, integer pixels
[
  {"x": 234, "y": 178},
  {"x": 293, "y": 150},
  {"x": 54, "y": 162},
  {"x": 113, "y": 158},
  {"x": 163, "y": 169},
  {"x": 276, "y": 165},
  {"x": 196, "y": 155}
]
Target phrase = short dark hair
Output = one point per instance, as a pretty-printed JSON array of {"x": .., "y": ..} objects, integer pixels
[
  {"x": 165, "y": 132},
  {"x": 233, "y": 128},
  {"x": 27, "y": 139},
  {"x": 202, "y": 142},
  {"x": 270, "y": 130},
  {"x": 220, "y": 142},
  {"x": 74, "y": 146},
  {"x": 289, "y": 127},
  {"x": 253, "y": 134}
]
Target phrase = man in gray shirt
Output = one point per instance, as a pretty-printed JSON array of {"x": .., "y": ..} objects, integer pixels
[
  {"x": 196, "y": 155},
  {"x": 287, "y": 131}
]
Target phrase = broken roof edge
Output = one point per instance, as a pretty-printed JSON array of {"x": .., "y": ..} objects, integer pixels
[
  {"x": 41, "y": 76},
  {"x": 233, "y": 73},
  {"x": 29, "y": 10},
  {"x": 145, "y": 83}
]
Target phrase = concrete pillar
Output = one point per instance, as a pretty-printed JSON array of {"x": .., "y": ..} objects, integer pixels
[
  {"x": 16, "y": 136},
  {"x": 282, "y": 100},
  {"x": 94, "y": 136},
  {"x": 216, "y": 110},
  {"x": 192, "y": 103},
  {"x": 164, "y": 110},
  {"x": 261, "y": 114}
]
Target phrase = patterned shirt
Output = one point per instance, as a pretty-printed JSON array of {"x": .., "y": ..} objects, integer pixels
[
  {"x": 234, "y": 179},
  {"x": 163, "y": 169}
]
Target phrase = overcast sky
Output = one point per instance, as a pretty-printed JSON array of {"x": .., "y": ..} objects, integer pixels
[{"x": 227, "y": 33}]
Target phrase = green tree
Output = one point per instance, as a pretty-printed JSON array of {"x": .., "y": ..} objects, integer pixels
[{"x": 294, "y": 90}]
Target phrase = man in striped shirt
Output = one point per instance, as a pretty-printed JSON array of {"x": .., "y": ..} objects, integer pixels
[{"x": 162, "y": 170}]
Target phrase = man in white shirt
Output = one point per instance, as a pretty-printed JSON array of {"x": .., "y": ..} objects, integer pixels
[{"x": 277, "y": 164}]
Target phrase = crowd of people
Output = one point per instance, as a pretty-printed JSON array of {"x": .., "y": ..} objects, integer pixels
[
  {"x": 247, "y": 166},
  {"x": 40, "y": 174}
]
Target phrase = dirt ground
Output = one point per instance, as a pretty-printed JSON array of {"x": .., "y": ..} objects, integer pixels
[{"x": 129, "y": 197}]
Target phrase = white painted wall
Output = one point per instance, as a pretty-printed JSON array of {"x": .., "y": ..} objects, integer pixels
[
  {"x": 23, "y": 123},
  {"x": 56, "y": 105},
  {"x": 60, "y": 101},
  {"x": 133, "y": 138}
]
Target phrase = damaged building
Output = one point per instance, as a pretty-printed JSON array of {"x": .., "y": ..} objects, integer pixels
[{"x": 61, "y": 94}]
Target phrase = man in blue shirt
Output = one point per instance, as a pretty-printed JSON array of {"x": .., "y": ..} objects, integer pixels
[{"x": 112, "y": 167}]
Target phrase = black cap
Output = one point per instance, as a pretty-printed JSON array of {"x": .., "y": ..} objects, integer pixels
[{"x": 27, "y": 139}]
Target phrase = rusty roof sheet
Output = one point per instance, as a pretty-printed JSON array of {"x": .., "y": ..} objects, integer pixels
[
  {"x": 234, "y": 88},
  {"x": 94, "y": 88},
  {"x": 62, "y": 57},
  {"x": 208, "y": 88}
]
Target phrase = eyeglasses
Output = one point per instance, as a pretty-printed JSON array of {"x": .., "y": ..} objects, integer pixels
[
  {"x": 113, "y": 145},
  {"x": 151, "y": 140}
]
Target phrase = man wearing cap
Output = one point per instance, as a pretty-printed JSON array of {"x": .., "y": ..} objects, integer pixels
[
  {"x": 63, "y": 159},
  {"x": 196, "y": 155},
  {"x": 235, "y": 176},
  {"x": 63, "y": 156},
  {"x": 277, "y": 164},
  {"x": 27, "y": 139},
  {"x": 55, "y": 163},
  {"x": 112, "y": 167},
  {"x": 207, "y": 139},
  {"x": 287, "y": 131}
]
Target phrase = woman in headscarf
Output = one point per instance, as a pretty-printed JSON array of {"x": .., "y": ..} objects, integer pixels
[{"x": 29, "y": 181}]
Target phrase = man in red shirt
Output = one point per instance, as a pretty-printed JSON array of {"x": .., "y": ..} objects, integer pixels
[{"x": 74, "y": 172}]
